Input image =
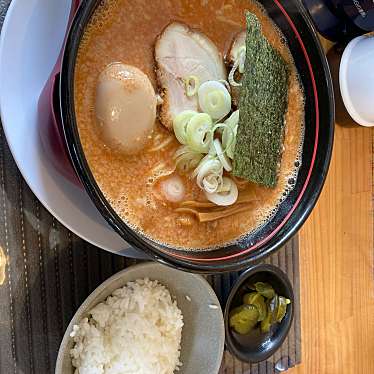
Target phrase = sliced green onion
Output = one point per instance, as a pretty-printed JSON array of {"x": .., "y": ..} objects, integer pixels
[
  {"x": 207, "y": 160},
  {"x": 240, "y": 56},
  {"x": 180, "y": 123},
  {"x": 211, "y": 182},
  {"x": 228, "y": 131},
  {"x": 225, "y": 197},
  {"x": 214, "y": 99},
  {"x": 182, "y": 150},
  {"x": 209, "y": 174},
  {"x": 186, "y": 159},
  {"x": 225, "y": 185},
  {"x": 233, "y": 120},
  {"x": 215, "y": 129},
  {"x": 229, "y": 134},
  {"x": 191, "y": 84},
  {"x": 197, "y": 132},
  {"x": 212, "y": 150},
  {"x": 218, "y": 128},
  {"x": 226, "y": 163},
  {"x": 231, "y": 78},
  {"x": 226, "y": 84},
  {"x": 229, "y": 141},
  {"x": 239, "y": 64}
]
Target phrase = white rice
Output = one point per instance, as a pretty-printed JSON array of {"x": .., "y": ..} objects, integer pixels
[{"x": 137, "y": 330}]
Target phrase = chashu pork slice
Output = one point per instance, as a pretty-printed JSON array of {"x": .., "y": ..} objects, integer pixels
[{"x": 181, "y": 52}]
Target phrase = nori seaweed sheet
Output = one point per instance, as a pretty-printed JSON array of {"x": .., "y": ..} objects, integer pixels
[{"x": 262, "y": 106}]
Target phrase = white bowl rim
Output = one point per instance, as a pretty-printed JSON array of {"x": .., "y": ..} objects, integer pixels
[{"x": 343, "y": 82}]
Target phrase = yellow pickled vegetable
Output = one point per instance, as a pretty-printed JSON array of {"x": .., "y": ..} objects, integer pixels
[
  {"x": 258, "y": 301},
  {"x": 243, "y": 318},
  {"x": 261, "y": 308}
]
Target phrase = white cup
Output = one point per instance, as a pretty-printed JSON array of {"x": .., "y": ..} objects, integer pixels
[{"x": 356, "y": 79}]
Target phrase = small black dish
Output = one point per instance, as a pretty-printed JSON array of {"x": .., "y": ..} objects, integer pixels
[{"x": 257, "y": 346}]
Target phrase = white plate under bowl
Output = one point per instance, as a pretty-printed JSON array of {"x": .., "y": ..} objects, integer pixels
[{"x": 31, "y": 39}]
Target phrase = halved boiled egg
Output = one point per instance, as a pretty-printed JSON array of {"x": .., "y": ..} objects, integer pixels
[{"x": 125, "y": 107}]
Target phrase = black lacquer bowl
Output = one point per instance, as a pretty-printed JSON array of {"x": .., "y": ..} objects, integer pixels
[
  {"x": 258, "y": 346},
  {"x": 311, "y": 63}
]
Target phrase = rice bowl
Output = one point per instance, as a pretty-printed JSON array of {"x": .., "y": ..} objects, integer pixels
[{"x": 199, "y": 353}]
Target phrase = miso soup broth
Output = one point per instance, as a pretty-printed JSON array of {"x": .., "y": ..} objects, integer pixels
[{"x": 126, "y": 31}]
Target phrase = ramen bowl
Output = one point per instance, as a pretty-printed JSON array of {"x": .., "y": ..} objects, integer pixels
[{"x": 291, "y": 18}]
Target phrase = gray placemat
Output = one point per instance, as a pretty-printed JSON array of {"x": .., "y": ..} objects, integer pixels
[{"x": 46, "y": 272}]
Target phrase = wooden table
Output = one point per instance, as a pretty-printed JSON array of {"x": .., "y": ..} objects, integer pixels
[{"x": 336, "y": 260}]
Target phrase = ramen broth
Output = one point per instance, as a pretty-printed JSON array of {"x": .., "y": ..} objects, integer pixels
[{"x": 125, "y": 31}]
